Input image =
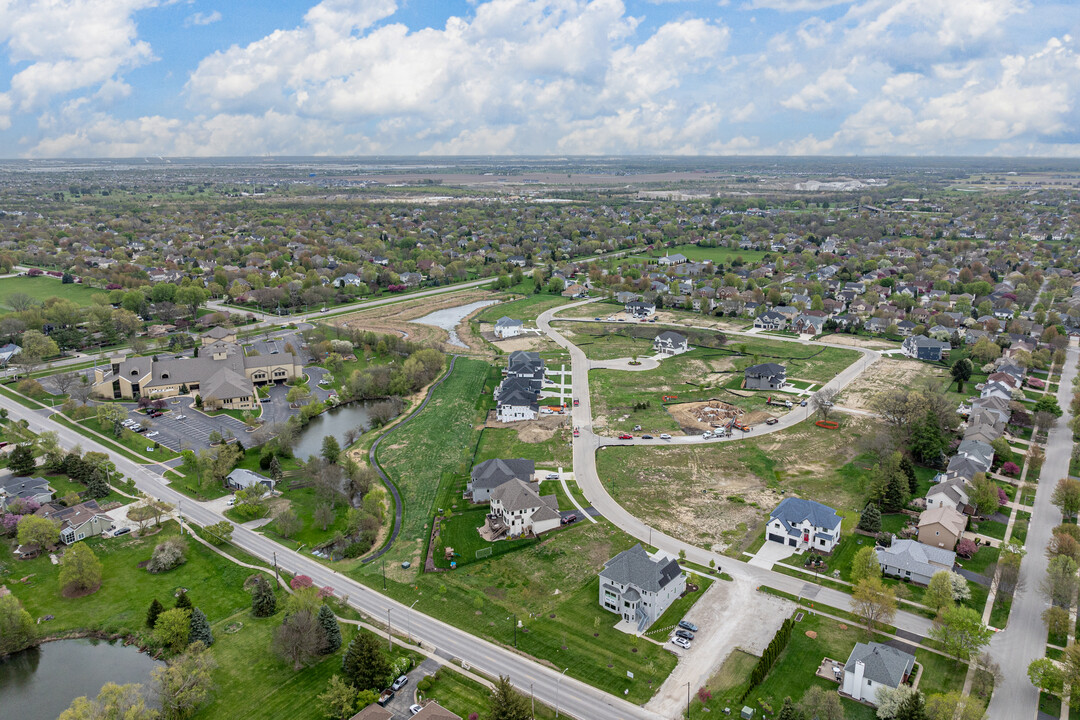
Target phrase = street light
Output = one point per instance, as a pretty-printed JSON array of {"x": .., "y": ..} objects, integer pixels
[{"x": 557, "y": 683}]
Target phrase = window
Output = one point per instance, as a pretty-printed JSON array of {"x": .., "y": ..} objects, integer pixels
[{"x": 164, "y": 376}]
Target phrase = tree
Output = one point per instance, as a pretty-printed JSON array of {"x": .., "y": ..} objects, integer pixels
[
  {"x": 960, "y": 630},
  {"x": 820, "y": 704},
  {"x": 156, "y": 608},
  {"x": 1067, "y": 496},
  {"x": 788, "y": 711},
  {"x": 871, "y": 519},
  {"x": 865, "y": 565},
  {"x": 263, "y": 599},
  {"x": 167, "y": 555},
  {"x": 183, "y": 601},
  {"x": 200, "y": 628},
  {"x": 323, "y": 515},
  {"x": 1049, "y": 404},
  {"x": 926, "y": 442},
  {"x": 21, "y": 461},
  {"x": 298, "y": 639},
  {"x": 17, "y": 628},
  {"x": 1063, "y": 544},
  {"x": 65, "y": 381},
  {"x": 984, "y": 494},
  {"x": 954, "y": 706},
  {"x": 113, "y": 702},
  {"x": 1056, "y": 619},
  {"x": 823, "y": 401},
  {"x": 874, "y": 602},
  {"x": 331, "y": 631},
  {"x": 908, "y": 469},
  {"x": 506, "y": 703},
  {"x": 331, "y": 450},
  {"x": 1045, "y": 674},
  {"x": 219, "y": 532},
  {"x": 1059, "y": 583},
  {"x": 80, "y": 570},
  {"x": 913, "y": 708},
  {"x": 365, "y": 663},
  {"x": 338, "y": 702},
  {"x": 890, "y": 699},
  {"x": 961, "y": 372},
  {"x": 185, "y": 683},
  {"x": 939, "y": 593},
  {"x": 288, "y": 523},
  {"x": 34, "y": 530},
  {"x": 275, "y": 468},
  {"x": 173, "y": 628}
]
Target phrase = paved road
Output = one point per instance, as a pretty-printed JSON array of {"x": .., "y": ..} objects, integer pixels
[
  {"x": 586, "y": 445},
  {"x": 1024, "y": 639},
  {"x": 575, "y": 698}
]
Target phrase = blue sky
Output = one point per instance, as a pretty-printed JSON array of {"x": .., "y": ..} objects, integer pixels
[{"x": 710, "y": 77}]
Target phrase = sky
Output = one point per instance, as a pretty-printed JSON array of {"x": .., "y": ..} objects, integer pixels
[{"x": 131, "y": 78}]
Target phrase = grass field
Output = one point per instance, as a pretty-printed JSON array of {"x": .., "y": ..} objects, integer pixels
[
  {"x": 526, "y": 309},
  {"x": 133, "y": 441},
  {"x": 304, "y": 502},
  {"x": 64, "y": 485},
  {"x": 460, "y": 532},
  {"x": 505, "y": 443},
  {"x": 41, "y": 289},
  {"x": 440, "y": 438},
  {"x": 462, "y": 695}
]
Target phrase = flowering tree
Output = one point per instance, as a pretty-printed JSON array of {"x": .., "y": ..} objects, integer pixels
[
  {"x": 966, "y": 548},
  {"x": 301, "y": 581},
  {"x": 1010, "y": 468}
]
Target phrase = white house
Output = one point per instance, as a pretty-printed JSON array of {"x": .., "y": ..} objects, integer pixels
[
  {"x": 670, "y": 343},
  {"x": 516, "y": 400},
  {"x": 506, "y": 327},
  {"x": 804, "y": 524},
  {"x": 872, "y": 666},
  {"x": 639, "y": 587},
  {"x": 676, "y": 259},
  {"x": 952, "y": 493},
  {"x": 517, "y": 509},
  {"x": 241, "y": 479}
]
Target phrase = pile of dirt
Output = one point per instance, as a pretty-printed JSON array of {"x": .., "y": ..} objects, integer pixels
[
  {"x": 756, "y": 417},
  {"x": 546, "y": 424},
  {"x": 702, "y": 416}
]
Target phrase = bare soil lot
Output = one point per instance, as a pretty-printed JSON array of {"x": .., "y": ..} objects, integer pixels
[
  {"x": 858, "y": 341},
  {"x": 395, "y": 319},
  {"x": 887, "y": 373}
]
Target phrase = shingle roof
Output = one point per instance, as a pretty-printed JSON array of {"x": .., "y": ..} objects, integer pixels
[
  {"x": 516, "y": 495},
  {"x": 493, "y": 473},
  {"x": 793, "y": 510},
  {"x": 916, "y": 557},
  {"x": 671, "y": 337},
  {"x": 635, "y": 567},
  {"x": 946, "y": 516},
  {"x": 882, "y": 664},
  {"x": 765, "y": 370}
]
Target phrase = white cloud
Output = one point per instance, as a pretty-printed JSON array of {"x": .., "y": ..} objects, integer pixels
[
  {"x": 794, "y": 5},
  {"x": 201, "y": 18},
  {"x": 826, "y": 91}
]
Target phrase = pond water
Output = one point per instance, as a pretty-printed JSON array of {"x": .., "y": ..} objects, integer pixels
[
  {"x": 449, "y": 318},
  {"x": 40, "y": 683},
  {"x": 336, "y": 422}
]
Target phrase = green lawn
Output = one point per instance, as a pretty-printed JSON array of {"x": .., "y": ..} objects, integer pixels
[
  {"x": 42, "y": 288},
  {"x": 460, "y": 533},
  {"x": 505, "y": 443},
  {"x": 64, "y": 485},
  {"x": 716, "y": 254},
  {"x": 304, "y": 502},
  {"x": 441, "y": 438},
  {"x": 991, "y": 528},
  {"x": 462, "y": 695},
  {"x": 983, "y": 558},
  {"x": 133, "y": 441},
  {"x": 526, "y": 309},
  {"x": 671, "y": 617}
]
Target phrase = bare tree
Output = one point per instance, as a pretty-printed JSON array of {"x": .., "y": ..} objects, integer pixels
[
  {"x": 823, "y": 401},
  {"x": 328, "y": 483},
  {"x": 299, "y": 638},
  {"x": 65, "y": 381},
  {"x": 81, "y": 390},
  {"x": 323, "y": 515}
]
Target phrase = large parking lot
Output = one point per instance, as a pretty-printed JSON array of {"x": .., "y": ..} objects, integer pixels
[{"x": 190, "y": 433}]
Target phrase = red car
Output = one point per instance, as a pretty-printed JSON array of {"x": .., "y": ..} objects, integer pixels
[
  {"x": 626, "y": 436},
  {"x": 577, "y": 432},
  {"x": 575, "y": 402}
]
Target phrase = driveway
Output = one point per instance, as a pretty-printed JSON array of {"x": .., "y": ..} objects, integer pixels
[
  {"x": 275, "y": 409},
  {"x": 730, "y": 615},
  {"x": 770, "y": 553},
  {"x": 406, "y": 695}
]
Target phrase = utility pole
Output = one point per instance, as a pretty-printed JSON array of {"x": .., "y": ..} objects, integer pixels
[
  {"x": 533, "y": 696},
  {"x": 515, "y": 630},
  {"x": 687, "y": 701},
  {"x": 558, "y": 682}
]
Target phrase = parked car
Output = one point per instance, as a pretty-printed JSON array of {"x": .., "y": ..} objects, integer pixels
[
  {"x": 646, "y": 437},
  {"x": 575, "y": 402},
  {"x": 180, "y": 417},
  {"x": 681, "y": 642},
  {"x": 325, "y": 310},
  {"x": 157, "y": 414},
  {"x": 596, "y": 318},
  {"x": 665, "y": 436},
  {"x": 771, "y": 421},
  {"x": 122, "y": 531},
  {"x": 414, "y": 709},
  {"x": 571, "y": 518},
  {"x": 687, "y": 625},
  {"x": 230, "y": 502},
  {"x": 626, "y": 436},
  {"x": 552, "y": 476},
  {"x": 401, "y": 682},
  {"x": 706, "y": 435},
  {"x": 802, "y": 404},
  {"x": 685, "y": 634},
  {"x": 153, "y": 434},
  {"x": 577, "y": 432}
]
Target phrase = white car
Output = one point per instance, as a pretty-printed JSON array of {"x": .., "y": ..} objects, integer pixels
[
  {"x": 230, "y": 502},
  {"x": 681, "y": 642},
  {"x": 180, "y": 417},
  {"x": 153, "y": 434},
  {"x": 706, "y": 435},
  {"x": 665, "y": 436},
  {"x": 414, "y": 709}
]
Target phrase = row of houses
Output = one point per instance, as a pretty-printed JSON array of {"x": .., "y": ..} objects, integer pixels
[{"x": 518, "y": 396}]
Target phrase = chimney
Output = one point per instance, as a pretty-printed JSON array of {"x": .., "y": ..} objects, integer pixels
[{"x": 860, "y": 672}]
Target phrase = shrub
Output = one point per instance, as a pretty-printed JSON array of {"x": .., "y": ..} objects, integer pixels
[
  {"x": 167, "y": 555},
  {"x": 966, "y": 548},
  {"x": 1010, "y": 468}
]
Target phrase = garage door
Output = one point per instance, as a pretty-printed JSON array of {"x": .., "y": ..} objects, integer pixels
[
  {"x": 776, "y": 538},
  {"x": 793, "y": 542}
]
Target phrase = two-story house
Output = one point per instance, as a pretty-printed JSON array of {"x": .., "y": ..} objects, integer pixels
[
  {"x": 804, "y": 524},
  {"x": 639, "y": 587},
  {"x": 516, "y": 509}
]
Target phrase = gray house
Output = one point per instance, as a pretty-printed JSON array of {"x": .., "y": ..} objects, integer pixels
[
  {"x": 911, "y": 560},
  {"x": 639, "y": 587},
  {"x": 14, "y": 487},
  {"x": 872, "y": 666},
  {"x": 241, "y": 479},
  {"x": 490, "y": 474},
  {"x": 921, "y": 347},
  {"x": 507, "y": 327},
  {"x": 767, "y": 376}
]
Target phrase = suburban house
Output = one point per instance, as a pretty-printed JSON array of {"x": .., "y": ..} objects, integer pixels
[
  {"x": 872, "y": 666},
  {"x": 767, "y": 376},
  {"x": 517, "y": 397},
  {"x": 963, "y": 467},
  {"x": 770, "y": 320},
  {"x": 435, "y": 711},
  {"x": 14, "y": 487},
  {"x": 808, "y": 325},
  {"x": 77, "y": 522},
  {"x": 942, "y": 527},
  {"x": 676, "y": 259},
  {"x": 978, "y": 452},
  {"x": 490, "y": 474},
  {"x": 921, "y": 347},
  {"x": 222, "y": 374},
  {"x": 506, "y": 327},
  {"x": 804, "y": 524},
  {"x": 639, "y": 309},
  {"x": 911, "y": 560},
  {"x": 526, "y": 365},
  {"x": 7, "y": 352},
  {"x": 373, "y": 711},
  {"x": 517, "y": 509},
  {"x": 670, "y": 343},
  {"x": 952, "y": 493},
  {"x": 240, "y": 479},
  {"x": 639, "y": 587}
]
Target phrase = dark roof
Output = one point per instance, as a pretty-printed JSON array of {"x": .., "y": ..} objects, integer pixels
[
  {"x": 882, "y": 664},
  {"x": 672, "y": 337},
  {"x": 765, "y": 370},
  {"x": 793, "y": 510},
  {"x": 635, "y": 567},
  {"x": 493, "y": 473}
]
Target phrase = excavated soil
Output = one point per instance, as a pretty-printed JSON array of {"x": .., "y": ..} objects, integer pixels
[
  {"x": 539, "y": 430},
  {"x": 885, "y": 374},
  {"x": 395, "y": 319}
]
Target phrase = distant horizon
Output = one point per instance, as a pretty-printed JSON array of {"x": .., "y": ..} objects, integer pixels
[{"x": 128, "y": 79}]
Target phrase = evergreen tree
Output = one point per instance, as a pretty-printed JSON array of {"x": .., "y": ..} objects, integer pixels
[
  {"x": 507, "y": 703},
  {"x": 21, "y": 461},
  {"x": 263, "y": 600},
  {"x": 183, "y": 602},
  {"x": 789, "y": 712},
  {"x": 331, "y": 630},
  {"x": 200, "y": 628},
  {"x": 156, "y": 608},
  {"x": 275, "y": 468},
  {"x": 926, "y": 442},
  {"x": 895, "y": 494},
  {"x": 908, "y": 468},
  {"x": 96, "y": 485},
  {"x": 365, "y": 664},
  {"x": 871, "y": 519},
  {"x": 913, "y": 708}
]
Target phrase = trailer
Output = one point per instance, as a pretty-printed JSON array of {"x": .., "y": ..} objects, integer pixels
[{"x": 778, "y": 403}]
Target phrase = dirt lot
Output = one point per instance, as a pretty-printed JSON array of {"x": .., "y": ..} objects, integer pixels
[
  {"x": 531, "y": 342},
  {"x": 702, "y": 416},
  {"x": 884, "y": 374},
  {"x": 532, "y": 431},
  {"x": 395, "y": 319},
  {"x": 863, "y": 342}
]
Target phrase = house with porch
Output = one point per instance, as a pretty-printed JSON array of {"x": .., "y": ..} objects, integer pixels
[
  {"x": 517, "y": 509},
  {"x": 639, "y": 587},
  {"x": 873, "y": 666},
  {"x": 670, "y": 343},
  {"x": 803, "y": 525}
]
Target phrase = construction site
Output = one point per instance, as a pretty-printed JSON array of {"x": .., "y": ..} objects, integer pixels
[{"x": 712, "y": 415}]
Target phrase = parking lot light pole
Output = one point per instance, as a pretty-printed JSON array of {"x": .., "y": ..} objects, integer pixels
[{"x": 687, "y": 700}]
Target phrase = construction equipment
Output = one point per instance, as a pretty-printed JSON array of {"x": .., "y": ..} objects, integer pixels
[
  {"x": 667, "y": 398},
  {"x": 740, "y": 426},
  {"x": 778, "y": 403}
]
